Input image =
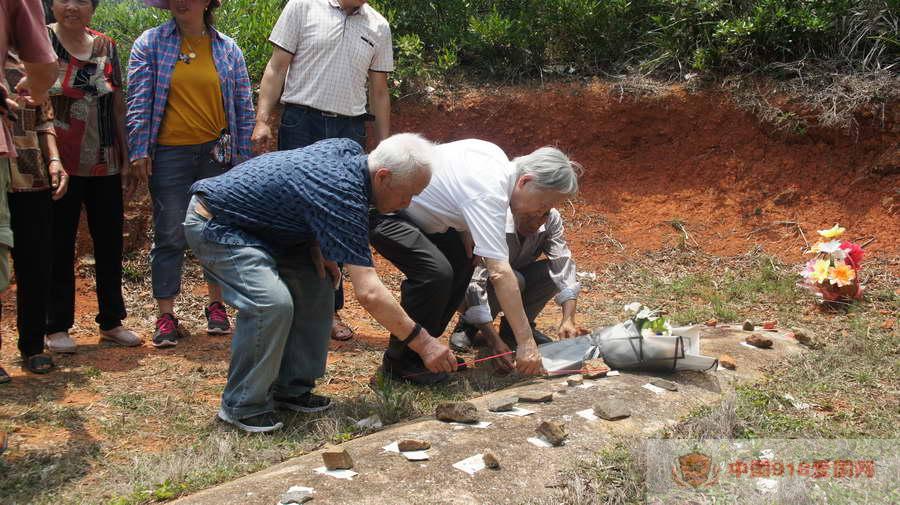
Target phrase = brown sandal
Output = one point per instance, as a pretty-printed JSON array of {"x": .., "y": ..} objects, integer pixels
[
  {"x": 39, "y": 363},
  {"x": 340, "y": 331}
]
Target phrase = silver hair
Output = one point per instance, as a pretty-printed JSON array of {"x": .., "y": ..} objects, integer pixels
[
  {"x": 404, "y": 154},
  {"x": 550, "y": 169}
]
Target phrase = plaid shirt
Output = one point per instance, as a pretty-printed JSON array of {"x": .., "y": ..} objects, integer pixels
[{"x": 150, "y": 68}]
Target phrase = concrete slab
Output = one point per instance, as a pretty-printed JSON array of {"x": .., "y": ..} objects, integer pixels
[{"x": 526, "y": 470}]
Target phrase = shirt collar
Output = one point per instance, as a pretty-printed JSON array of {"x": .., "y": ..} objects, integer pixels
[
  {"x": 171, "y": 29},
  {"x": 337, "y": 5},
  {"x": 511, "y": 225}
]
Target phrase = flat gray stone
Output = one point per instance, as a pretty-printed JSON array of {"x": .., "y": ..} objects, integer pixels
[
  {"x": 504, "y": 404},
  {"x": 575, "y": 380},
  {"x": 459, "y": 412},
  {"x": 611, "y": 410},
  {"x": 663, "y": 383},
  {"x": 536, "y": 396},
  {"x": 295, "y": 497}
]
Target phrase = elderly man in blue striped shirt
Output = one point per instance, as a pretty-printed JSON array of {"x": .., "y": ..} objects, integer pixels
[{"x": 270, "y": 232}]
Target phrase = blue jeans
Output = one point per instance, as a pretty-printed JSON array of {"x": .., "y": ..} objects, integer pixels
[
  {"x": 300, "y": 128},
  {"x": 175, "y": 169},
  {"x": 280, "y": 341}
]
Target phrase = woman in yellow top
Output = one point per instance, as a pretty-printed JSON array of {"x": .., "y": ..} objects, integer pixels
[{"x": 190, "y": 115}]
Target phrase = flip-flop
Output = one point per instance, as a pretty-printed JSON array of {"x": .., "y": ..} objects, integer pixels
[
  {"x": 39, "y": 363},
  {"x": 340, "y": 331},
  {"x": 4, "y": 377}
]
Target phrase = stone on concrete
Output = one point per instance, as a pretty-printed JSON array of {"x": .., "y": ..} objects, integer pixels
[
  {"x": 748, "y": 326},
  {"x": 727, "y": 362},
  {"x": 336, "y": 458},
  {"x": 295, "y": 497},
  {"x": 662, "y": 383},
  {"x": 460, "y": 412},
  {"x": 410, "y": 444},
  {"x": 712, "y": 322},
  {"x": 553, "y": 431},
  {"x": 595, "y": 369},
  {"x": 802, "y": 335},
  {"x": 490, "y": 461},
  {"x": 504, "y": 404},
  {"x": 536, "y": 396},
  {"x": 575, "y": 380},
  {"x": 757, "y": 340},
  {"x": 611, "y": 410}
]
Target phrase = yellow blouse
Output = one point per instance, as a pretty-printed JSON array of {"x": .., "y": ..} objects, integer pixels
[{"x": 194, "y": 110}]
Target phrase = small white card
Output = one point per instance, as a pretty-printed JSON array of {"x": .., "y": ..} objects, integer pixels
[
  {"x": 415, "y": 455},
  {"x": 480, "y": 424},
  {"x": 656, "y": 389},
  {"x": 516, "y": 412},
  {"x": 539, "y": 442},
  {"x": 586, "y": 385},
  {"x": 745, "y": 344},
  {"x": 587, "y": 414},
  {"x": 337, "y": 474},
  {"x": 720, "y": 368},
  {"x": 612, "y": 373},
  {"x": 392, "y": 447},
  {"x": 470, "y": 465}
]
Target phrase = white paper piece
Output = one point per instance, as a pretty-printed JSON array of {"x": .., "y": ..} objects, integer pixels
[
  {"x": 588, "y": 414},
  {"x": 371, "y": 422},
  {"x": 516, "y": 412},
  {"x": 656, "y": 389},
  {"x": 539, "y": 442},
  {"x": 586, "y": 385},
  {"x": 480, "y": 424},
  {"x": 415, "y": 455},
  {"x": 720, "y": 368},
  {"x": 612, "y": 373},
  {"x": 471, "y": 464},
  {"x": 392, "y": 447},
  {"x": 337, "y": 474},
  {"x": 745, "y": 344},
  {"x": 301, "y": 489}
]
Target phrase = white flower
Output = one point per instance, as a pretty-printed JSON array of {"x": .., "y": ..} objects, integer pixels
[
  {"x": 830, "y": 247},
  {"x": 632, "y": 308}
]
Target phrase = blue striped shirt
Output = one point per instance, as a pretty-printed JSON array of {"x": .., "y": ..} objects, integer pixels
[{"x": 285, "y": 199}]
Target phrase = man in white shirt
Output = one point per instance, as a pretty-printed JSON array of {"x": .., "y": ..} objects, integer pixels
[
  {"x": 462, "y": 214},
  {"x": 325, "y": 54},
  {"x": 540, "y": 280}
]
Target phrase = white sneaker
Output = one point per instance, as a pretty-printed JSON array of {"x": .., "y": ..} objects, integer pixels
[
  {"x": 60, "y": 342},
  {"x": 122, "y": 336}
]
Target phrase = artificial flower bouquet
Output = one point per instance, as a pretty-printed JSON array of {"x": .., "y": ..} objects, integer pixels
[
  {"x": 646, "y": 320},
  {"x": 833, "y": 273}
]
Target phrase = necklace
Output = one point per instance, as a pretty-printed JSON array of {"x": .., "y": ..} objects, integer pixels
[{"x": 191, "y": 55}]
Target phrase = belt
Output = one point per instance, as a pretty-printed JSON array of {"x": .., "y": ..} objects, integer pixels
[
  {"x": 201, "y": 209},
  {"x": 313, "y": 110}
]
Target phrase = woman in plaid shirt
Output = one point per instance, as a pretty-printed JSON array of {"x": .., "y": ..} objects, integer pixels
[{"x": 190, "y": 116}]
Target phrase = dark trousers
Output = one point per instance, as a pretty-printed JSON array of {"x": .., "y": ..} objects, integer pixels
[
  {"x": 32, "y": 226},
  {"x": 437, "y": 271},
  {"x": 102, "y": 200},
  {"x": 301, "y": 127}
]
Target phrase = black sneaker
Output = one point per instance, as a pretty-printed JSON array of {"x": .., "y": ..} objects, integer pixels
[
  {"x": 216, "y": 319},
  {"x": 307, "y": 402},
  {"x": 260, "y": 423},
  {"x": 166, "y": 334}
]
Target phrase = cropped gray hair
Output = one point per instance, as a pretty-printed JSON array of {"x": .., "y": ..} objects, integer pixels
[
  {"x": 550, "y": 169},
  {"x": 404, "y": 154}
]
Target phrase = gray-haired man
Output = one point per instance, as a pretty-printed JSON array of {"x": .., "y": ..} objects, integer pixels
[
  {"x": 540, "y": 280},
  {"x": 463, "y": 213}
]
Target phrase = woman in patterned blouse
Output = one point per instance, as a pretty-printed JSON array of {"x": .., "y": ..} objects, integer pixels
[{"x": 89, "y": 108}]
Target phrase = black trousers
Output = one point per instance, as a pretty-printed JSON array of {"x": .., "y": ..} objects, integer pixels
[
  {"x": 437, "y": 269},
  {"x": 102, "y": 200},
  {"x": 31, "y": 218}
]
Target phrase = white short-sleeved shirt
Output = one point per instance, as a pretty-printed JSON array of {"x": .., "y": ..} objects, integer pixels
[
  {"x": 470, "y": 187},
  {"x": 333, "y": 53}
]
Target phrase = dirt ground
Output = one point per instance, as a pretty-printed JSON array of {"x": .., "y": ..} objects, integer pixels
[{"x": 678, "y": 168}]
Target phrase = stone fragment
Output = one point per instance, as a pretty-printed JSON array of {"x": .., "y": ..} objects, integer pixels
[
  {"x": 757, "y": 340},
  {"x": 553, "y": 431},
  {"x": 595, "y": 369},
  {"x": 662, "y": 383},
  {"x": 712, "y": 322},
  {"x": 490, "y": 461},
  {"x": 504, "y": 404},
  {"x": 575, "y": 380},
  {"x": 802, "y": 335},
  {"x": 295, "y": 497},
  {"x": 769, "y": 325},
  {"x": 460, "y": 412},
  {"x": 410, "y": 444},
  {"x": 611, "y": 410},
  {"x": 748, "y": 326},
  {"x": 536, "y": 396},
  {"x": 336, "y": 458},
  {"x": 727, "y": 362}
]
